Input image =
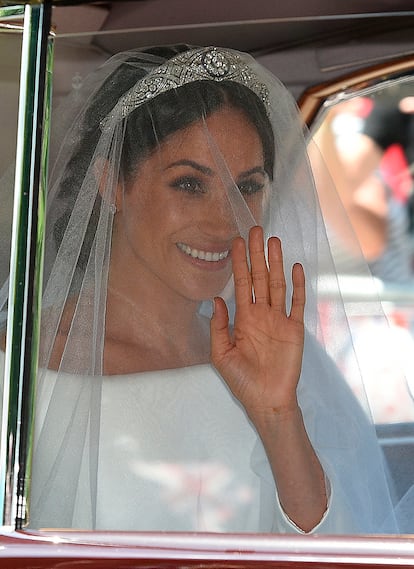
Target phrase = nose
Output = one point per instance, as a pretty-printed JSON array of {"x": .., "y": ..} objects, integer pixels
[{"x": 229, "y": 215}]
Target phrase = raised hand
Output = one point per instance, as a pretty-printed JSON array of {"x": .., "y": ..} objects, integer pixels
[
  {"x": 261, "y": 357},
  {"x": 261, "y": 360}
]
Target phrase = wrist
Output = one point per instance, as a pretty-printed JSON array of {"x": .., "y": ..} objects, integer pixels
[{"x": 273, "y": 416}]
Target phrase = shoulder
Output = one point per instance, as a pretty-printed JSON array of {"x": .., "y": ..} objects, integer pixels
[{"x": 55, "y": 331}]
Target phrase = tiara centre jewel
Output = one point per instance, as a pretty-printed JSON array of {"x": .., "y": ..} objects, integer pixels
[{"x": 216, "y": 63}]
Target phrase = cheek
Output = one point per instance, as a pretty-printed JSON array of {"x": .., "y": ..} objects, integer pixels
[
  {"x": 257, "y": 205},
  {"x": 158, "y": 215},
  {"x": 138, "y": 220},
  {"x": 141, "y": 204}
]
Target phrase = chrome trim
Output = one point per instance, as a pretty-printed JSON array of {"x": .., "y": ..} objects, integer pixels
[
  {"x": 221, "y": 550},
  {"x": 312, "y": 99}
]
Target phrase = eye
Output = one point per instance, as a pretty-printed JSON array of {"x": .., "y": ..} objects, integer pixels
[
  {"x": 188, "y": 184},
  {"x": 249, "y": 187}
]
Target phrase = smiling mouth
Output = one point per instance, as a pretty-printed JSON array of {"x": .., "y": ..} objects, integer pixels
[{"x": 210, "y": 256}]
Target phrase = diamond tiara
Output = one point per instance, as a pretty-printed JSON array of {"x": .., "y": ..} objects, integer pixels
[{"x": 208, "y": 63}]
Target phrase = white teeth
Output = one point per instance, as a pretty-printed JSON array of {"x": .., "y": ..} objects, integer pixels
[{"x": 203, "y": 255}]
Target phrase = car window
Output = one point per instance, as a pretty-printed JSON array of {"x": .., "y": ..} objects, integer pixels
[{"x": 366, "y": 140}]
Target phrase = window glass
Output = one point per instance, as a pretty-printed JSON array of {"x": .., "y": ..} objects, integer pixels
[
  {"x": 367, "y": 142},
  {"x": 114, "y": 447}
]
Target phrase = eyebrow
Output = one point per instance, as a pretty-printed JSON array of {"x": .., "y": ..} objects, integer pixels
[
  {"x": 203, "y": 169},
  {"x": 255, "y": 170},
  {"x": 209, "y": 172}
]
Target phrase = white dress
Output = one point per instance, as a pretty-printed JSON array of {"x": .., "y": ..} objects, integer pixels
[{"x": 176, "y": 452}]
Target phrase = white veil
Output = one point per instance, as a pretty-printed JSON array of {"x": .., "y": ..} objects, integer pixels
[{"x": 125, "y": 112}]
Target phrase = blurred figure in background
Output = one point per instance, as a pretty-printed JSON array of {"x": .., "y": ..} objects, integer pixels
[{"x": 368, "y": 146}]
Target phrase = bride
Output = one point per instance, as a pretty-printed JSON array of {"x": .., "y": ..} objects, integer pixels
[{"x": 184, "y": 382}]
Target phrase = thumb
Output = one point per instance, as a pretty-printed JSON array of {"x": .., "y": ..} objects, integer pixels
[{"x": 219, "y": 330}]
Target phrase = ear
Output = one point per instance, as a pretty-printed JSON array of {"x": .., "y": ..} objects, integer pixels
[{"x": 101, "y": 170}]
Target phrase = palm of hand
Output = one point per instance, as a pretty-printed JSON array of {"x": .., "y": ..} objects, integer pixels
[{"x": 261, "y": 360}]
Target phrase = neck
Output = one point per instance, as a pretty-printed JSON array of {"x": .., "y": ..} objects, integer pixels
[
  {"x": 147, "y": 314},
  {"x": 154, "y": 309}
]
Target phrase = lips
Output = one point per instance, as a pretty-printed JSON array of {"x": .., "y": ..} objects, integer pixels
[{"x": 210, "y": 256}]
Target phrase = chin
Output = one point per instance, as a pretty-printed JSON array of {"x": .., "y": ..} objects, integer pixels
[{"x": 204, "y": 293}]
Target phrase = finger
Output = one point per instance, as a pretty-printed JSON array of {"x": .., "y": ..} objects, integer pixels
[
  {"x": 277, "y": 282},
  {"x": 259, "y": 270},
  {"x": 220, "y": 339},
  {"x": 242, "y": 278},
  {"x": 299, "y": 293}
]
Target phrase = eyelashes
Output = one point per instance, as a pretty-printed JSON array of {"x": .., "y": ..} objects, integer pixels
[
  {"x": 189, "y": 184},
  {"x": 251, "y": 187},
  {"x": 195, "y": 186}
]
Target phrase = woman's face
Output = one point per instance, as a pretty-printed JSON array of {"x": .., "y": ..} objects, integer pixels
[{"x": 177, "y": 219}]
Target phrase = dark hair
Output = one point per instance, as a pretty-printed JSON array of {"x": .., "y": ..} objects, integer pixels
[
  {"x": 169, "y": 112},
  {"x": 149, "y": 124}
]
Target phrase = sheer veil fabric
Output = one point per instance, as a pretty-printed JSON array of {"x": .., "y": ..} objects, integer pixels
[{"x": 135, "y": 430}]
